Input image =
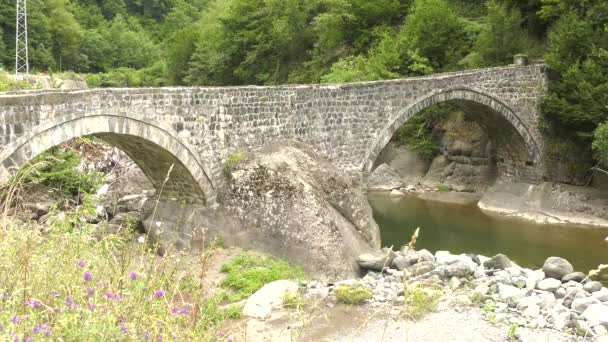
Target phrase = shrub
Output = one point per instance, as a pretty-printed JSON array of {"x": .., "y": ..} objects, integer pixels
[
  {"x": 248, "y": 272},
  {"x": 231, "y": 162},
  {"x": 443, "y": 187},
  {"x": 353, "y": 294},
  {"x": 420, "y": 300},
  {"x": 59, "y": 170}
]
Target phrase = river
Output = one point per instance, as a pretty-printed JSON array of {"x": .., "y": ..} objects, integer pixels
[{"x": 466, "y": 229}]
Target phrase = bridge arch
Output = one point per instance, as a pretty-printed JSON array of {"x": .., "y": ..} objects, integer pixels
[
  {"x": 515, "y": 145},
  {"x": 153, "y": 146}
]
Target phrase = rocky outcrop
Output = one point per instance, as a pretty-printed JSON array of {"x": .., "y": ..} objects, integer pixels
[
  {"x": 384, "y": 178},
  {"x": 293, "y": 204},
  {"x": 548, "y": 203}
]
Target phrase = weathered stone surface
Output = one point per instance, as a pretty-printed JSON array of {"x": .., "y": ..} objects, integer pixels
[
  {"x": 376, "y": 261},
  {"x": 260, "y": 304},
  {"x": 596, "y": 314},
  {"x": 499, "y": 262},
  {"x": 602, "y": 294},
  {"x": 556, "y": 267},
  {"x": 549, "y": 284},
  {"x": 420, "y": 268},
  {"x": 581, "y": 304},
  {"x": 592, "y": 286},
  {"x": 384, "y": 178},
  {"x": 294, "y": 204},
  {"x": 401, "y": 262},
  {"x": 574, "y": 276}
]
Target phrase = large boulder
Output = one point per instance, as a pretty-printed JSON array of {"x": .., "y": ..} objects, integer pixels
[
  {"x": 596, "y": 314},
  {"x": 557, "y": 268},
  {"x": 291, "y": 203},
  {"x": 384, "y": 178},
  {"x": 376, "y": 261}
]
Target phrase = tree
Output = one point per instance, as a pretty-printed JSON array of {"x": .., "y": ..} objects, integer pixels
[
  {"x": 600, "y": 143},
  {"x": 67, "y": 34},
  {"x": 501, "y": 37},
  {"x": 434, "y": 31}
]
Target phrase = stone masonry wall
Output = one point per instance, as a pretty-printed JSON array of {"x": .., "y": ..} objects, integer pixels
[{"x": 349, "y": 124}]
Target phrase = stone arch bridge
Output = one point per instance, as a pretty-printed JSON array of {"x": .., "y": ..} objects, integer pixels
[{"x": 196, "y": 128}]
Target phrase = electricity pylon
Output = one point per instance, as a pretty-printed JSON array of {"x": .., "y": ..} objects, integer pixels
[{"x": 21, "y": 52}]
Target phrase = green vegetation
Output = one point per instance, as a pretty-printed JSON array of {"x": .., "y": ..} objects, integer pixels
[
  {"x": 420, "y": 300},
  {"x": 8, "y": 83},
  {"x": 58, "y": 169},
  {"x": 60, "y": 283},
  {"x": 443, "y": 188},
  {"x": 353, "y": 294},
  {"x": 512, "y": 332},
  {"x": 231, "y": 162},
  {"x": 248, "y": 272}
]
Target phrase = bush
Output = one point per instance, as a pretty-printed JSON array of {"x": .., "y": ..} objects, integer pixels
[
  {"x": 59, "y": 170},
  {"x": 231, "y": 162},
  {"x": 420, "y": 300},
  {"x": 353, "y": 294},
  {"x": 248, "y": 272}
]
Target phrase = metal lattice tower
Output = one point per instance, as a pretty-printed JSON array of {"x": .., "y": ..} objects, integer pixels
[{"x": 21, "y": 51}]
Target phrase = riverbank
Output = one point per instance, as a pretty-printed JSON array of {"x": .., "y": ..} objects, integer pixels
[{"x": 414, "y": 295}]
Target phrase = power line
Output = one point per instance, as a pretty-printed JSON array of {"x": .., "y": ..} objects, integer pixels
[{"x": 21, "y": 45}]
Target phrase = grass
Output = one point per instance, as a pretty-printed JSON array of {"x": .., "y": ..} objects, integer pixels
[
  {"x": 9, "y": 83},
  {"x": 65, "y": 281},
  {"x": 248, "y": 272},
  {"x": 512, "y": 332},
  {"x": 443, "y": 188},
  {"x": 420, "y": 301},
  {"x": 231, "y": 162},
  {"x": 348, "y": 294}
]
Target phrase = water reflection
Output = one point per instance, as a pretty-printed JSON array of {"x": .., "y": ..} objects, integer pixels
[{"x": 466, "y": 229}]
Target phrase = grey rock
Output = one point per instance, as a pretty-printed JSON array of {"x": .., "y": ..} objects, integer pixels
[
  {"x": 260, "y": 304},
  {"x": 592, "y": 286},
  {"x": 376, "y": 261},
  {"x": 596, "y": 314},
  {"x": 574, "y": 276},
  {"x": 549, "y": 284},
  {"x": 560, "y": 293},
  {"x": 384, "y": 178},
  {"x": 579, "y": 305},
  {"x": 602, "y": 294},
  {"x": 401, "y": 262},
  {"x": 510, "y": 294},
  {"x": 445, "y": 257},
  {"x": 460, "y": 269},
  {"x": 499, "y": 262},
  {"x": 420, "y": 268},
  {"x": 556, "y": 267},
  {"x": 424, "y": 255}
]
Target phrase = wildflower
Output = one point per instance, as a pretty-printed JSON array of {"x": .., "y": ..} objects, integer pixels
[
  {"x": 109, "y": 295},
  {"x": 159, "y": 294},
  {"x": 123, "y": 328},
  {"x": 55, "y": 293},
  {"x": 147, "y": 336},
  {"x": 81, "y": 263},
  {"x": 90, "y": 292},
  {"x": 87, "y": 276},
  {"x": 159, "y": 339},
  {"x": 27, "y": 339},
  {"x": 3, "y": 295},
  {"x": 15, "y": 319},
  {"x": 34, "y": 304},
  {"x": 39, "y": 327},
  {"x": 69, "y": 303},
  {"x": 91, "y": 307},
  {"x": 133, "y": 275},
  {"x": 47, "y": 332}
]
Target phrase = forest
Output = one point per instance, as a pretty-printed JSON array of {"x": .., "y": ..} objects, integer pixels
[{"x": 235, "y": 42}]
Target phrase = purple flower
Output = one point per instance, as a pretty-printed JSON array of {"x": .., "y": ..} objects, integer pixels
[
  {"x": 230, "y": 339},
  {"x": 69, "y": 303},
  {"x": 87, "y": 276},
  {"x": 91, "y": 307},
  {"x": 34, "y": 304},
  {"x": 109, "y": 295},
  {"x": 15, "y": 319},
  {"x": 55, "y": 293},
  {"x": 133, "y": 275},
  {"x": 27, "y": 339},
  {"x": 47, "y": 332},
  {"x": 90, "y": 292},
  {"x": 3, "y": 295},
  {"x": 159, "y": 294},
  {"x": 147, "y": 336},
  {"x": 123, "y": 328},
  {"x": 177, "y": 310},
  {"x": 39, "y": 327},
  {"x": 81, "y": 263},
  {"x": 159, "y": 339}
]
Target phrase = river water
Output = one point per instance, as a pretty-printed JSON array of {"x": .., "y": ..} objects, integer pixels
[{"x": 466, "y": 229}]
